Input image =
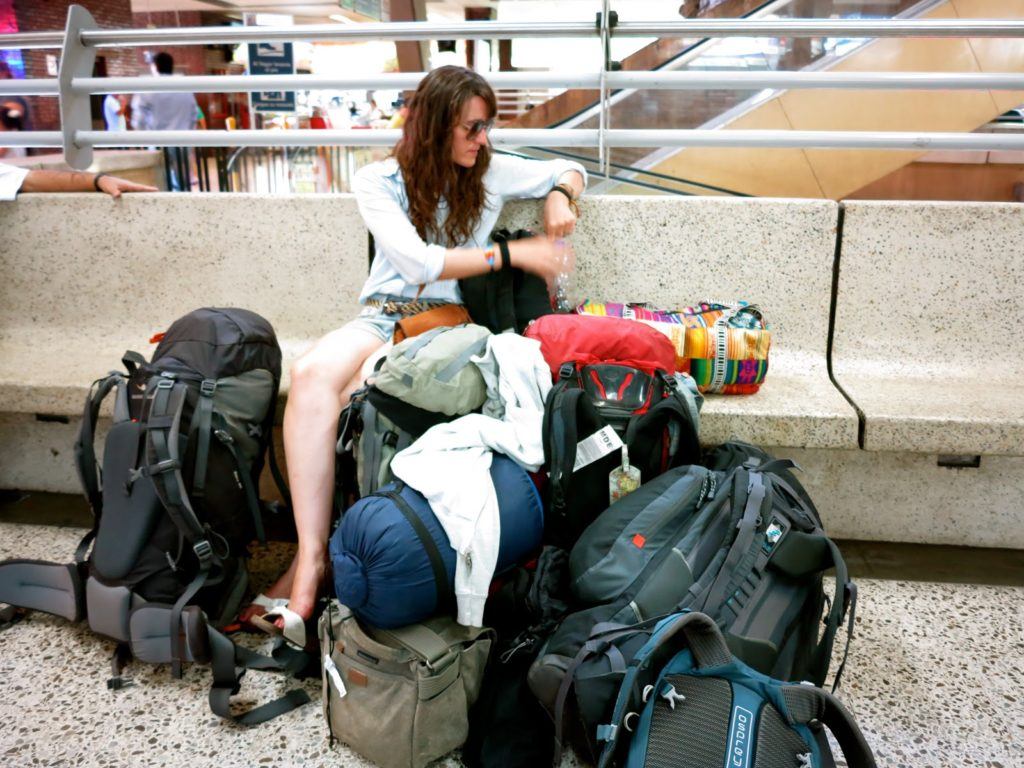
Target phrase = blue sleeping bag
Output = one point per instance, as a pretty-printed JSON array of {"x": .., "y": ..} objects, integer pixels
[{"x": 393, "y": 564}]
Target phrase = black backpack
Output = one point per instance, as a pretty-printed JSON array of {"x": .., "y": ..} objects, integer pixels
[
  {"x": 663, "y": 435},
  {"x": 174, "y": 502},
  {"x": 508, "y": 299},
  {"x": 741, "y": 543}
]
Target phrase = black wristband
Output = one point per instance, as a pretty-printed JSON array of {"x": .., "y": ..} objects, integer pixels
[
  {"x": 564, "y": 191},
  {"x": 506, "y": 257},
  {"x": 96, "y": 180}
]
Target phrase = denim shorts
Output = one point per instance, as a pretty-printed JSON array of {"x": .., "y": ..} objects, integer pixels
[{"x": 373, "y": 320}]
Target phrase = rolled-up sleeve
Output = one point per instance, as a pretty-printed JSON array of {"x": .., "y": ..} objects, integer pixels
[
  {"x": 519, "y": 177},
  {"x": 395, "y": 236},
  {"x": 11, "y": 179}
]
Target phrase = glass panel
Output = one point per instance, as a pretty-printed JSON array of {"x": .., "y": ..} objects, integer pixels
[{"x": 708, "y": 108}]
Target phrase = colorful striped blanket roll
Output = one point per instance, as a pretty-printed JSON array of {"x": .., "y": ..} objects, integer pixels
[{"x": 723, "y": 346}]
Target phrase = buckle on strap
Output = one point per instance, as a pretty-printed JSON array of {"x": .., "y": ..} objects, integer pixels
[
  {"x": 164, "y": 383},
  {"x": 167, "y": 465},
  {"x": 607, "y": 732},
  {"x": 566, "y": 370},
  {"x": 208, "y": 387},
  {"x": 203, "y": 550}
]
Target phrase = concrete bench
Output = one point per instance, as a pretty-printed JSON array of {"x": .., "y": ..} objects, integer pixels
[
  {"x": 928, "y": 340},
  {"x": 89, "y": 277},
  {"x": 928, "y": 346}
]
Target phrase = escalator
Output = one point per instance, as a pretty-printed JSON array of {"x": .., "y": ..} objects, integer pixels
[{"x": 794, "y": 172}]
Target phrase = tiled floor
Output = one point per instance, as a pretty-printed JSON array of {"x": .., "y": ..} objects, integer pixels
[{"x": 935, "y": 673}]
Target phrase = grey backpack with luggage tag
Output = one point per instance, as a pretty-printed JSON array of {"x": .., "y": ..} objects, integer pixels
[{"x": 175, "y": 502}]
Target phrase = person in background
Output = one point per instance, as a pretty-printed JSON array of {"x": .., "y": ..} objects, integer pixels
[
  {"x": 14, "y": 180},
  {"x": 431, "y": 207},
  {"x": 11, "y": 120},
  {"x": 401, "y": 114},
  {"x": 171, "y": 111},
  {"x": 115, "y": 109},
  {"x": 16, "y": 103}
]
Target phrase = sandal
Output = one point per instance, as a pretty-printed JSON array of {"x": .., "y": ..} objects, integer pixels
[
  {"x": 294, "y": 631},
  {"x": 260, "y": 601}
]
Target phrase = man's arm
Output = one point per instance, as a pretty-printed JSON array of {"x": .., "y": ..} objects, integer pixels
[{"x": 79, "y": 181}]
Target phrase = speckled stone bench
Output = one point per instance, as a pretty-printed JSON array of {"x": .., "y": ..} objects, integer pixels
[
  {"x": 929, "y": 341},
  {"x": 87, "y": 277},
  {"x": 928, "y": 344}
]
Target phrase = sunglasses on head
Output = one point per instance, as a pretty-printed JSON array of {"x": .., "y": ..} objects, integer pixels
[{"x": 474, "y": 128}]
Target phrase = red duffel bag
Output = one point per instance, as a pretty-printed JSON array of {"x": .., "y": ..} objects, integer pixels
[{"x": 589, "y": 339}]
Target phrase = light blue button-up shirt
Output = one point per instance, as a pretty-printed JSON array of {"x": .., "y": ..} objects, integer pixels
[{"x": 403, "y": 261}]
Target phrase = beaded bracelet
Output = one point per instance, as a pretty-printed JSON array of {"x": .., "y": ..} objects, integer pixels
[{"x": 489, "y": 255}]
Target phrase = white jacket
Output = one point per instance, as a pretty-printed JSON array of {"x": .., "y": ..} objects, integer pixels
[{"x": 450, "y": 464}]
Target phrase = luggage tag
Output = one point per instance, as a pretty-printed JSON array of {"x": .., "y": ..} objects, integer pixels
[
  {"x": 595, "y": 447},
  {"x": 623, "y": 480},
  {"x": 332, "y": 671}
]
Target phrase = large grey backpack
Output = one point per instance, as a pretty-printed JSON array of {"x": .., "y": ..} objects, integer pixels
[
  {"x": 174, "y": 501},
  {"x": 741, "y": 543}
]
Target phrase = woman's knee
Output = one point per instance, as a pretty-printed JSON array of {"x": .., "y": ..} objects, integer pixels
[
  {"x": 310, "y": 373},
  {"x": 332, "y": 362}
]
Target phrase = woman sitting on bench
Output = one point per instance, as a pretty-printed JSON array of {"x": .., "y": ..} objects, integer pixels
[{"x": 431, "y": 207}]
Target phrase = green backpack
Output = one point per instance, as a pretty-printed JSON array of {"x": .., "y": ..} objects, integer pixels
[{"x": 433, "y": 370}]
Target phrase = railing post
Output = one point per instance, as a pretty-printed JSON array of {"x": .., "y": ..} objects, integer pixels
[
  {"x": 606, "y": 19},
  {"x": 76, "y": 60}
]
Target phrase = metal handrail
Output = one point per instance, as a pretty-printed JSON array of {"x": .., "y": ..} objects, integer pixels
[
  {"x": 502, "y": 30},
  {"x": 75, "y": 85},
  {"x": 690, "y": 80},
  {"x": 548, "y": 137},
  {"x": 637, "y": 171}
]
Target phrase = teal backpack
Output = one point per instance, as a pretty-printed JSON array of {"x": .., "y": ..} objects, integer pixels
[{"x": 687, "y": 702}]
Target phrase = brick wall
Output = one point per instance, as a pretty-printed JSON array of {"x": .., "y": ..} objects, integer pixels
[
  {"x": 49, "y": 15},
  {"x": 188, "y": 59}
]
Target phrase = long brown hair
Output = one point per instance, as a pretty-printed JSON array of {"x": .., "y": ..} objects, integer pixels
[{"x": 424, "y": 154}]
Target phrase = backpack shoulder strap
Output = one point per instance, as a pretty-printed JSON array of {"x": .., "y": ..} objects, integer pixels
[
  {"x": 167, "y": 402},
  {"x": 676, "y": 405},
  {"x": 225, "y": 657},
  {"x": 757, "y": 493},
  {"x": 88, "y": 469},
  {"x": 444, "y": 596},
  {"x": 806, "y": 703},
  {"x": 561, "y": 433},
  {"x": 688, "y": 630}
]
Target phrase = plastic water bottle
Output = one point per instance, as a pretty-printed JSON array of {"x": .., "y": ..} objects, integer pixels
[
  {"x": 560, "y": 300},
  {"x": 623, "y": 480}
]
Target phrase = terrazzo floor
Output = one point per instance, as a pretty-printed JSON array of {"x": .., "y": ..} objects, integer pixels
[{"x": 935, "y": 677}]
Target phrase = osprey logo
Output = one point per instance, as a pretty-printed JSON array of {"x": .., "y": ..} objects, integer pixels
[{"x": 739, "y": 738}]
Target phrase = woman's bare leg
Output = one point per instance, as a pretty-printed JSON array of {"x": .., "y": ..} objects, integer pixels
[{"x": 322, "y": 380}]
